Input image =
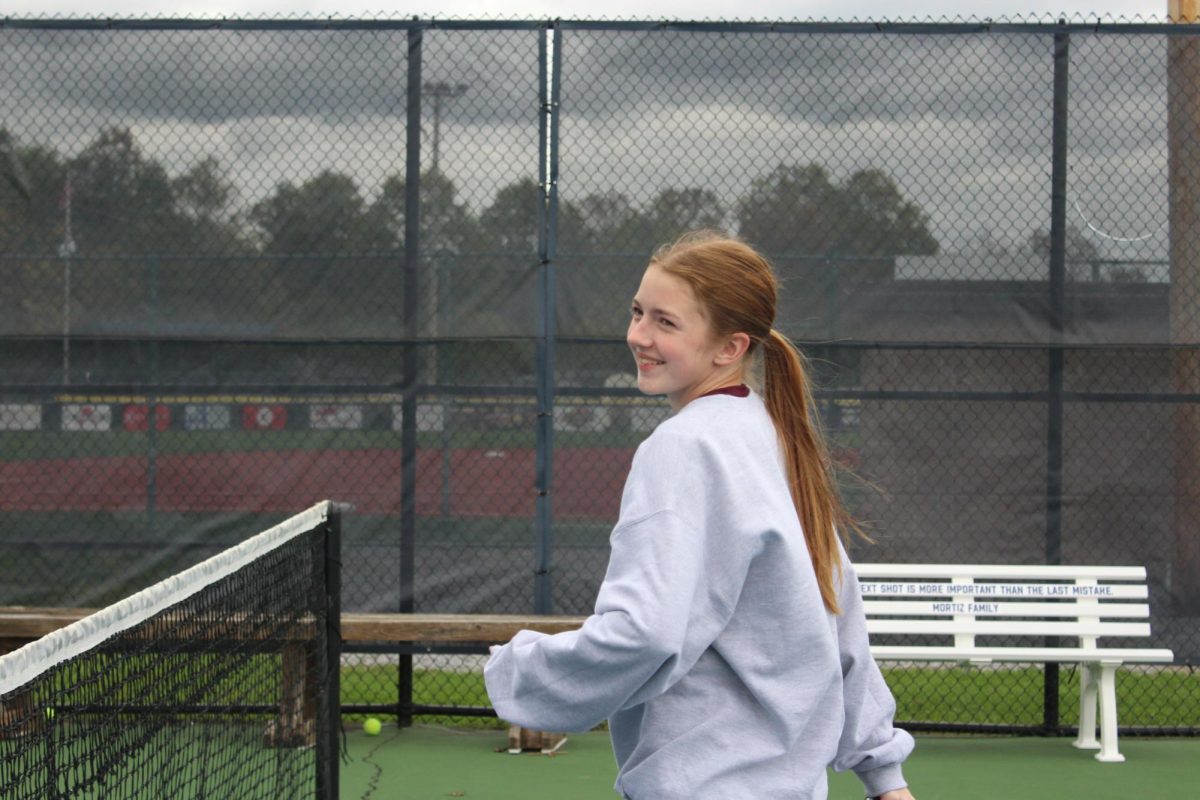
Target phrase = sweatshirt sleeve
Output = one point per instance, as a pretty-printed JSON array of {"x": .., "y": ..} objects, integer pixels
[
  {"x": 869, "y": 744},
  {"x": 654, "y": 618},
  {"x": 657, "y": 611}
]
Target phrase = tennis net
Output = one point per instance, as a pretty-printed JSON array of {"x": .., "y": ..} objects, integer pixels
[{"x": 218, "y": 682}]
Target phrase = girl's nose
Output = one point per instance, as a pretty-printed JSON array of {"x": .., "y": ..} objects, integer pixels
[{"x": 636, "y": 335}]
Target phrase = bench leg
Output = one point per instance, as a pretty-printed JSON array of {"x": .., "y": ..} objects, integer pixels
[
  {"x": 295, "y": 723},
  {"x": 523, "y": 739},
  {"x": 1088, "y": 691},
  {"x": 1108, "y": 714}
]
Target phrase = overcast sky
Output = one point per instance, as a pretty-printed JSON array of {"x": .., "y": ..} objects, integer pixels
[
  {"x": 609, "y": 9},
  {"x": 961, "y": 124}
]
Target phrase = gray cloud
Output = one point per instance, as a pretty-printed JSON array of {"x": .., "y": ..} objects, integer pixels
[
  {"x": 221, "y": 75},
  {"x": 840, "y": 79},
  {"x": 828, "y": 79},
  {"x": 962, "y": 122}
]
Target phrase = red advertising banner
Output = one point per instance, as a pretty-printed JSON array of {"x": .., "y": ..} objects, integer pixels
[
  {"x": 137, "y": 417},
  {"x": 264, "y": 417}
]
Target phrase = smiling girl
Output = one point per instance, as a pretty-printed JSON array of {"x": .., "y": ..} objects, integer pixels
[{"x": 728, "y": 648}]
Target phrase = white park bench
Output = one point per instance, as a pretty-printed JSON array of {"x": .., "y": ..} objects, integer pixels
[{"x": 949, "y": 607}]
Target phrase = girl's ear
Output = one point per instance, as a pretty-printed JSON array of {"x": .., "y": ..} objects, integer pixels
[{"x": 734, "y": 348}]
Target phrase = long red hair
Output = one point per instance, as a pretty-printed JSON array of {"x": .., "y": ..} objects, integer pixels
[{"x": 737, "y": 288}]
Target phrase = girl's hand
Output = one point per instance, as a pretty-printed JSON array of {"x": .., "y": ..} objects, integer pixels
[{"x": 897, "y": 794}]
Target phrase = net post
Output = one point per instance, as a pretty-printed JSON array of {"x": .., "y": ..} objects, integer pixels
[{"x": 327, "y": 756}]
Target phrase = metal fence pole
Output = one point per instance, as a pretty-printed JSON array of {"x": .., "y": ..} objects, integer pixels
[
  {"x": 1054, "y": 421},
  {"x": 408, "y": 403},
  {"x": 1183, "y": 160},
  {"x": 331, "y": 606},
  {"x": 543, "y": 602}
]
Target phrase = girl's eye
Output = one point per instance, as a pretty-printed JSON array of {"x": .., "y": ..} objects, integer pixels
[
  {"x": 667, "y": 323},
  {"x": 635, "y": 311}
]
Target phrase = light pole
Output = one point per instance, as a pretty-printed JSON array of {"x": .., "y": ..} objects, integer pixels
[
  {"x": 439, "y": 90},
  {"x": 65, "y": 251}
]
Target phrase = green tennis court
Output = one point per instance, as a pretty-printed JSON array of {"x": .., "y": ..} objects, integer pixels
[{"x": 433, "y": 763}]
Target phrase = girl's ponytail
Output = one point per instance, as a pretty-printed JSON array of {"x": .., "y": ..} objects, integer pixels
[{"x": 789, "y": 399}]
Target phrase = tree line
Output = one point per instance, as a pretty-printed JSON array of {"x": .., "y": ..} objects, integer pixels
[{"x": 123, "y": 202}]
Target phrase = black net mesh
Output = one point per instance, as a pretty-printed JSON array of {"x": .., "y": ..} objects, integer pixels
[
  {"x": 216, "y": 310},
  {"x": 224, "y": 693}
]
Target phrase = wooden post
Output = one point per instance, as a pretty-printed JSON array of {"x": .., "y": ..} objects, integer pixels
[
  {"x": 296, "y": 722},
  {"x": 1183, "y": 154},
  {"x": 1182, "y": 10}
]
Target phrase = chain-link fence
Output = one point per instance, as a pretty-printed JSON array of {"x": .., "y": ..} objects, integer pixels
[{"x": 251, "y": 264}]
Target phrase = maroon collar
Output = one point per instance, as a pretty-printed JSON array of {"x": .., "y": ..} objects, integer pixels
[{"x": 741, "y": 390}]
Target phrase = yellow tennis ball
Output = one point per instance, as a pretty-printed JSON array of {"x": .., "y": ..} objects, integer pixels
[{"x": 372, "y": 726}]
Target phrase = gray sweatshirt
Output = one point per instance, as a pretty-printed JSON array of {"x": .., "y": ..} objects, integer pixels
[{"x": 710, "y": 653}]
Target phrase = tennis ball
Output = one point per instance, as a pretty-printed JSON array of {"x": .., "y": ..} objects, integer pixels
[
  {"x": 372, "y": 726},
  {"x": 49, "y": 713}
]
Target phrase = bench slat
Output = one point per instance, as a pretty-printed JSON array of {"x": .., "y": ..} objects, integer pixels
[
  {"x": 1004, "y": 591},
  {"x": 34, "y": 622},
  {"x": 1021, "y": 654},
  {"x": 448, "y": 627},
  {"x": 918, "y": 608},
  {"x": 1000, "y": 571},
  {"x": 984, "y": 627}
]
